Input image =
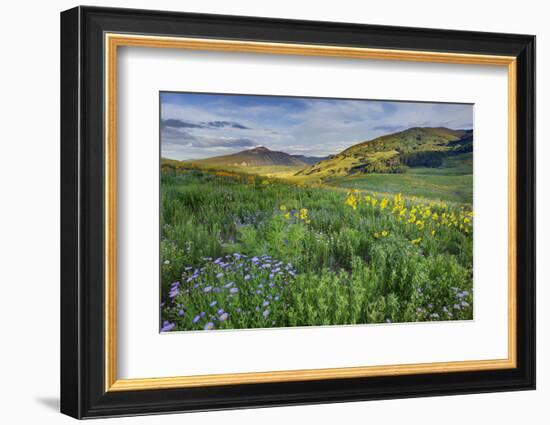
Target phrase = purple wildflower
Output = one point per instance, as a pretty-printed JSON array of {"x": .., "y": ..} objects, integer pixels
[
  {"x": 224, "y": 317},
  {"x": 167, "y": 326},
  {"x": 209, "y": 326},
  {"x": 196, "y": 319}
]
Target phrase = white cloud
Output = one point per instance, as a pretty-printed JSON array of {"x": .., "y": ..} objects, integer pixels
[{"x": 315, "y": 127}]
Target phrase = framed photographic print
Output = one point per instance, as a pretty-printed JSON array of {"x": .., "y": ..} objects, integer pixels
[{"x": 261, "y": 212}]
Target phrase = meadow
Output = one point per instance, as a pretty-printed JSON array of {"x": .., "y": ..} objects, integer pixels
[{"x": 245, "y": 251}]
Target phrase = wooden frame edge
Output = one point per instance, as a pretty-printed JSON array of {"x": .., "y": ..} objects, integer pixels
[
  {"x": 138, "y": 384},
  {"x": 114, "y": 40}
]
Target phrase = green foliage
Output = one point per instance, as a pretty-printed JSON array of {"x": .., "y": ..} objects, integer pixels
[
  {"x": 395, "y": 153},
  {"x": 328, "y": 264},
  {"x": 425, "y": 183}
]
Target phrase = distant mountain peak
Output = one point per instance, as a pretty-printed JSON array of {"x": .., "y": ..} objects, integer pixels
[
  {"x": 255, "y": 157},
  {"x": 259, "y": 149}
]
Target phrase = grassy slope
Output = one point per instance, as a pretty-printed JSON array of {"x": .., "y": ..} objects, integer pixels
[
  {"x": 413, "y": 140},
  {"x": 347, "y": 270},
  {"x": 451, "y": 182},
  {"x": 448, "y": 188}
]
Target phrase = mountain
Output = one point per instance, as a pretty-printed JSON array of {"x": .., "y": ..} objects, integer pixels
[
  {"x": 256, "y": 157},
  {"x": 310, "y": 159},
  {"x": 394, "y": 153}
]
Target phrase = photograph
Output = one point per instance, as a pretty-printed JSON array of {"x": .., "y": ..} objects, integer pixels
[{"x": 298, "y": 211}]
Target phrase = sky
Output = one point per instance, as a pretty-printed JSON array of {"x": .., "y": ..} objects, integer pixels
[{"x": 198, "y": 125}]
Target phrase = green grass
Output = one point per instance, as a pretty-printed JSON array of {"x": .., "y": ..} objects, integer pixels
[
  {"x": 452, "y": 166},
  {"x": 267, "y": 170},
  {"x": 273, "y": 254},
  {"x": 453, "y": 188}
]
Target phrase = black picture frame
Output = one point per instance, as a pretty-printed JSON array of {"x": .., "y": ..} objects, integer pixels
[{"x": 82, "y": 212}]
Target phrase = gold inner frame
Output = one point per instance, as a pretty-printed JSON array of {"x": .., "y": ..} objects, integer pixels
[{"x": 113, "y": 41}]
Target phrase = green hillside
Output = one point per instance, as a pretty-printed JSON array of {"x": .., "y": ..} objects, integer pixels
[
  {"x": 395, "y": 153},
  {"x": 430, "y": 163}
]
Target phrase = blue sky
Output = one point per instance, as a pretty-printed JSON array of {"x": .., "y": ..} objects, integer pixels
[{"x": 197, "y": 125}]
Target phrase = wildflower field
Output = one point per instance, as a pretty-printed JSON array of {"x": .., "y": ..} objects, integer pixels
[{"x": 243, "y": 251}]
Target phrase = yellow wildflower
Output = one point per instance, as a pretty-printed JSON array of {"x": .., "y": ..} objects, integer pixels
[
  {"x": 351, "y": 200},
  {"x": 384, "y": 233},
  {"x": 282, "y": 207}
]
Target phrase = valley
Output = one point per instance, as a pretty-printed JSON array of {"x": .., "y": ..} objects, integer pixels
[{"x": 430, "y": 163}]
